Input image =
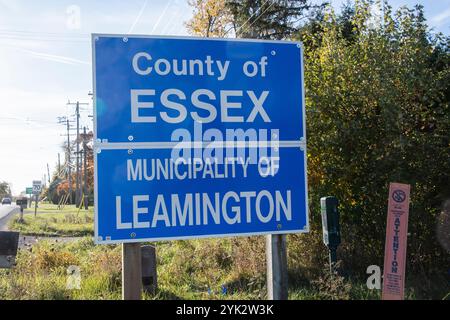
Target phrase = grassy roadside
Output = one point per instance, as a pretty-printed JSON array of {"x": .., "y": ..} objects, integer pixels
[
  {"x": 196, "y": 269},
  {"x": 41, "y": 273},
  {"x": 51, "y": 222},
  {"x": 228, "y": 268}
]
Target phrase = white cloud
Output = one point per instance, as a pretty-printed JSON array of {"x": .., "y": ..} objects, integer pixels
[{"x": 11, "y": 5}]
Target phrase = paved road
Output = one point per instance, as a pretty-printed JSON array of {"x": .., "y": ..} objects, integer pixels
[{"x": 7, "y": 212}]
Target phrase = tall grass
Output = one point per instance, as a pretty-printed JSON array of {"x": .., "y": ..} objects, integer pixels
[
  {"x": 228, "y": 268},
  {"x": 232, "y": 268},
  {"x": 52, "y": 223}
]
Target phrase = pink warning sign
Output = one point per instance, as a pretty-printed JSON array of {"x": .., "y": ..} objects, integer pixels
[{"x": 395, "y": 247}]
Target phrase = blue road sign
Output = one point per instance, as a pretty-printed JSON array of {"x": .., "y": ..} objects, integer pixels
[
  {"x": 165, "y": 83},
  {"x": 197, "y": 138}
]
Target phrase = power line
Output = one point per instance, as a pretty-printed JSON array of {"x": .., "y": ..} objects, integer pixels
[
  {"x": 28, "y": 120},
  {"x": 42, "y": 36},
  {"x": 41, "y": 32},
  {"x": 160, "y": 16},
  {"x": 6, "y": 37},
  {"x": 251, "y": 16},
  {"x": 237, "y": 31},
  {"x": 138, "y": 17}
]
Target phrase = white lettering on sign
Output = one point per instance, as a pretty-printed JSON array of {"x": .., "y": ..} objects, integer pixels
[
  {"x": 171, "y": 102},
  {"x": 202, "y": 209},
  {"x": 144, "y": 66},
  {"x": 230, "y": 109},
  {"x": 197, "y": 168}
]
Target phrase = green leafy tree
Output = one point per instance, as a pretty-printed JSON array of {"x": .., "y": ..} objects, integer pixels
[
  {"x": 211, "y": 18},
  {"x": 5, "y": 190},
  {"x": 378, "y": 112},
  {"x": 275, "y": 19},
  {"x": 262, "y": 19},
  {"x": 377, "y": 100}
]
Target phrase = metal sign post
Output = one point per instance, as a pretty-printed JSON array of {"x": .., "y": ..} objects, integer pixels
[
  {"x": 277, "y": 275},
  {"x": 35, "y": 204},
  {"x": 197, "y": 138}
]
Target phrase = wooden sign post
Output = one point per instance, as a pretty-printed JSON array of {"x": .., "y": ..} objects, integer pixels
[
  {"x": 131, "y": 271},
  {"x": 395, "y": 247}
]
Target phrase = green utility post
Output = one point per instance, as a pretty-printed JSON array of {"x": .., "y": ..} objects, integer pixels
[{"x": 331, "y": 228}]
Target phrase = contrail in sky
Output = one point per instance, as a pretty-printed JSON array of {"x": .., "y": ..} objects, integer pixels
[
  {"x": 55, "y": 58},
  {"x": 138, "y": 17},
  {"x": 441, "y": 18},
  {"x": 160, "y": 17}
]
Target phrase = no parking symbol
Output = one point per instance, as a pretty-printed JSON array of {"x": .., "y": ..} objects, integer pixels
[{"x": 399, "y": 196}]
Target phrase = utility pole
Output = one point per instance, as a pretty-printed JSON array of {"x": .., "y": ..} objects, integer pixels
[
  {"x": 85, "y": 191},
  {"x": 48, "y": 174},
  {"x": 77, "y": 191},
  {"x": 68, "y": 162},
  {"x": 78, "y": 176}
]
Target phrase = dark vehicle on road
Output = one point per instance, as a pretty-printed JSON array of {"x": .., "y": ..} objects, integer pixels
[{"x": 6, "y": 201}]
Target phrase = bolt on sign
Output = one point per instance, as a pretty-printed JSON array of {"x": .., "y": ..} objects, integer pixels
[
  {"x": 396, "y": 238},
  {"x": 197, "y": 138}
]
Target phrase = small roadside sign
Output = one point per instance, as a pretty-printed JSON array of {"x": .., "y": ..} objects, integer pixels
[
  {"x": 396, "y": 238},
  {"x": 29, "y": 190},
  {"x": 37, "y": 187}
]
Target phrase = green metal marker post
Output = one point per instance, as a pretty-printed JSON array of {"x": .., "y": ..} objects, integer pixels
[{"x": 331, "y": 228}]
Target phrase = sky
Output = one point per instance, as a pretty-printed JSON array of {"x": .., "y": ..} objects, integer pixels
[{"x": 45, "y": 62}]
